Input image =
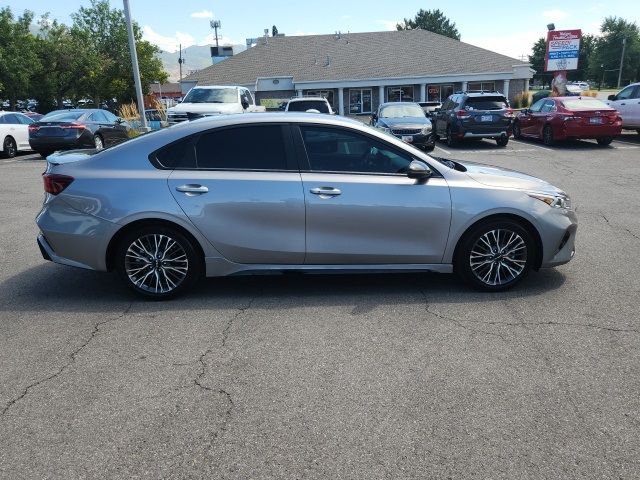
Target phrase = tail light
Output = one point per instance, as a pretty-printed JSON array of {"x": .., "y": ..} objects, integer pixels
[
  {"x": 33, "y": 128},
  {"x": 55, "y": 183},
  {"x": 76, "y": 126},
  {"x": 508, "y": 112},
  {"x": 463, "y": 114}
]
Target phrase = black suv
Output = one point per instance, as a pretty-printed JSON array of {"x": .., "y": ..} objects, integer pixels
[{"x": 474, "y": 115}]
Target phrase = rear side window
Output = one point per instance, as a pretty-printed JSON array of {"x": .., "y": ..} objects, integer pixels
[
  {"x": 254, "y": 147},
  {"x": 62, "y": 116},
  {"x": 486, "y": 103},
  {"x": 179, "y": 154}
]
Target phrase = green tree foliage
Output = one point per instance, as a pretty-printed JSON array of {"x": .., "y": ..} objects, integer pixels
[
  {"x": 607, "y": 50},
  {"x": 87, "y": 59},
  {"x": 274, "y": 31},
  {"x": 536, "y": 59},
  {"x": 18, "y": 57},
  {"x": 432, "y": 20}
]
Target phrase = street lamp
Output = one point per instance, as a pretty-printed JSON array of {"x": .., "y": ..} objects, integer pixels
[
  {"x": 134, "y": 65},
  {"x": 157, "y": 82}
]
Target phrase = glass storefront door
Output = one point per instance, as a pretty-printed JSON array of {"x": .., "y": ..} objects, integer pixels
[
  {"x": 359, "y": 100},
  {"x": 439, "y": 93}
]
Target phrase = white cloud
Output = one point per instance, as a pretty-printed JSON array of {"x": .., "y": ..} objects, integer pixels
[
  {"x": 514, "y": 45},
  {"x": 202, "y": 14},
  {"x": 555, "y": 15},
  {"x": 389, "y": 24},
  {"x": 169, "y": 44}
]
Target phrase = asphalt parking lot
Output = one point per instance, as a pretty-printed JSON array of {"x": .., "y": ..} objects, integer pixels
[{"x": 359, "y": 376}]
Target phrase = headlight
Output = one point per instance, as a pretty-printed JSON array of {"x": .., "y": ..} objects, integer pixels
[
  {"x": 385, "y": 129},
  {"x": 554, "y": 201},
  {"x": 426, "y": 130}
]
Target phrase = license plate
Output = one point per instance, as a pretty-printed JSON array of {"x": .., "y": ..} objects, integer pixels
[
  {"x": 486, "y": 118},
  {"x": 407, "y": 138},
  {"x": 596, "y": 120}
]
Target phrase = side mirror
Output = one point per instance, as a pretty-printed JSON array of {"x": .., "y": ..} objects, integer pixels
[
  {"x": 611, "y": 97},
  {"x": 244, "y": 102},
  {"x": 119, "y": 121},
  {"x": 525, "y": 111},
  {"x": 419, "y": 170},
  {"x": 436, "y": 110}
]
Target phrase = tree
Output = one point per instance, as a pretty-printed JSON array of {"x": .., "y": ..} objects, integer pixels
[
  {"x": 18, "y": 57},
  {"x": 432, "y": 20},
  {"x": 274, "y": 31},
  {"x": 536, "y": 59},
  {"x": 110, "y": 74},
  {"x": 607, "y": 50}
]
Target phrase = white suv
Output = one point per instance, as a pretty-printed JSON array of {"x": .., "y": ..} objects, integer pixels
[
  {"x": 309, "y": 104},
  {"x": 627, "y": 102}
]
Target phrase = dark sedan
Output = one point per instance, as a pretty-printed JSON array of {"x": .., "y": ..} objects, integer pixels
[
  {"x": 407, "y": 121},
  {"x": 71, "y": 129}
]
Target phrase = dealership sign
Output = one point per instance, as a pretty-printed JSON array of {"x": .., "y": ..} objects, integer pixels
[{"x": 563, "y": 47}]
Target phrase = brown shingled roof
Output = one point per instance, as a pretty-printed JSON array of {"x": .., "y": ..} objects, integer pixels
[{"x": 355, "y": 56}]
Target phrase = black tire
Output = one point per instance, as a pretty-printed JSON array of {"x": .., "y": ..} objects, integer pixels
[
  {"x": 9, "y": 147},
  {"x": 547, "y": 136},
  {"x": 604, "y": 141},
  {"x": 45, "y": 153},
  {"x": 517, "y": 132},
  {"x": 519, "y": 261},
  {"x": 131, "y": 266},
  {"x": 502, "y": 141},
  {"x": 98, "y": 142},
  {"x": 638, "y": 131},
  {"x": 428, "y": 148},
  {"x": 451, "y": 142}
]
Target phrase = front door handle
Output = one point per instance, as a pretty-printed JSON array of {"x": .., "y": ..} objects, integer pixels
[
  {"x": 192, "y": 189},
  {"x": 325, "y": 191}
]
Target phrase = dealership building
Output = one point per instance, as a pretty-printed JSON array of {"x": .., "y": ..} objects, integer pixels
[{"x": 358, "y": 71}]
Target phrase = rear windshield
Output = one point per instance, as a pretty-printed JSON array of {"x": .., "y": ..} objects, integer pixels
[
  {"x": 61, "y": 116},
  {"x": 585, "y": 104},
  {"x": 486, "y": 103},
  {"x": 211, "y": 95},
  {"x": 304, "y": 105}
]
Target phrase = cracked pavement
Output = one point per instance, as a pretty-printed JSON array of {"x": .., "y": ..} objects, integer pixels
[{"x": 358, "y": 376}]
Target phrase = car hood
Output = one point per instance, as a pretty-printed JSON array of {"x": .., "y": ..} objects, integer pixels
[
  {"x": 505, "y": 178},
  {"x": 405, "y": 122},
  {"x": 210, "y": 108}
]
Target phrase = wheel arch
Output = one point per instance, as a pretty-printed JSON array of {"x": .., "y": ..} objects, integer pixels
[
  {"x": 530, "y": 227},
  {"x": 117, "y": 237}
]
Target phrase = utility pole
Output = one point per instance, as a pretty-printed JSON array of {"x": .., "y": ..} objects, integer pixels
[
  {"x": 134, "y": 65},
  {"x": 624, "y": 46},
  {"x": 215, "y": 24},
  {"x": 180, "y": 61}
]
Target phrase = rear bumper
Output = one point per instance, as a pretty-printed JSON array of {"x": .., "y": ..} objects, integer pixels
[
  {"x": 60, "y": 143},
  {"x": 587, "y": 131},
  {"x": 502, "y": 133}
]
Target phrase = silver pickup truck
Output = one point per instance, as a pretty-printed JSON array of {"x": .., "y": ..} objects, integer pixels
[{"x": 204, "y": 101}]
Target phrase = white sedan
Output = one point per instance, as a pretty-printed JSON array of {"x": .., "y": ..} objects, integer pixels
[{"x": 14, "y": 133}]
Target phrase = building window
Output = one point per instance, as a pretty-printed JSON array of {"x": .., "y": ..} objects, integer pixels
[
  {"x": 328, "y": 94},
  {"x": 439, "y": 93},
  {"x": 482, "y": 87},
  {"x": 359, "y": 100},
  {"x": 400, "y": 94}
]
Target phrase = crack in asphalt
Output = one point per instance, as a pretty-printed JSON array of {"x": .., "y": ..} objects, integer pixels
[
  {"x": 72, "y": 358},
  {"x": 625, "y": 229},
  {"x": 565, "y": 324},
  {"x": 240, "y": 311},
  {"x": 458, "y": 323}
]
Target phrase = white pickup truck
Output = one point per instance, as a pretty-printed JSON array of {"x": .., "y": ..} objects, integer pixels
[{"x": 213, "y": 100}]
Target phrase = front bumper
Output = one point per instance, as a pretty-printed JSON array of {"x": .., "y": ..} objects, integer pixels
[
  {"x": 419, "y": 139},
  {"x": 558, "y": 232}
]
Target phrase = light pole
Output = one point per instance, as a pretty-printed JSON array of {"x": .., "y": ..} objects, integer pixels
[
  {"x": 624, "y": 46},
  {"x": 157, "y": 82},
  {"x": 134, "y": 65}
]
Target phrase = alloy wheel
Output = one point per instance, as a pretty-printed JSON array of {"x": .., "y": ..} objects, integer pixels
[
  {"x": 9, "y": 148},
  {"x": 156, "y": 263},
  {"x": 517, "y": 133},
  {"x": 498, "y": 257},
  {"x": 98, "y": 141},
  {"x": 547, "y": 135}
]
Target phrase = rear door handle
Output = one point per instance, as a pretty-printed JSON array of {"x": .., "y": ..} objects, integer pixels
[
  {"x": 192, "y": 189},
  {"x": 328, "y": 191}
]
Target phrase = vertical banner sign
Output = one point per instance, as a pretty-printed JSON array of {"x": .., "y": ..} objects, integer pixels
[{"x": 563, "y": 47}]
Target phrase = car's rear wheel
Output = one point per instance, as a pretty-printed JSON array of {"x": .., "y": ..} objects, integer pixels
[
  {"x": 9, "y": 148},
  {"x": 495, "y": 255},
  {"x": 604, "y": 141},
  {"x": 547, "y": 136},
  {"x": 97, "y": 140},
  {"x": 517, "y": 132},
  {"x": 502, "y": 141},
  {"x": 451, "y": 141},
  {"x": 157, "y": 261}
]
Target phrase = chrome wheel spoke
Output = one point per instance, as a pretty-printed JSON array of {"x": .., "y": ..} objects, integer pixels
[
  {"x": 156, "y": 263},
  {"x": 498, "y": 257}
]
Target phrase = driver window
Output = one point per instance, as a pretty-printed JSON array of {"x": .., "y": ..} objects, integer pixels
[
  {"x": 537, "y": 106},
  {"x": 548, "y": 106},
  {"x": 626, "y": 93},
  {"x": 341, "y": 150}
]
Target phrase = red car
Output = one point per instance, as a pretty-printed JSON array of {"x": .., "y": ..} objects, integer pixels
[{"x": 563, "y": 118}]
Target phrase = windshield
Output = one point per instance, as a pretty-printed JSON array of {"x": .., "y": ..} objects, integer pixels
[
  {"x": 399, "y": 111},
  {"x": 585, "y": 104},
  {"x": 304, "y": 105},
  {"x": 486, "y": 103},
  {"x": 61, "y": 116},
  {"x": 211, "y": 95}
]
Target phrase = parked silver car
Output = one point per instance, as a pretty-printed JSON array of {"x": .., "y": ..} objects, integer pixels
[{"x": 282, "y": 192}]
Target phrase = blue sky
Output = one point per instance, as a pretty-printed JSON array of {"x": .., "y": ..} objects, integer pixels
[{"x": 510, "y": 28}]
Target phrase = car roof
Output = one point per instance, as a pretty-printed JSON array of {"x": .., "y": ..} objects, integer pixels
[
  {"x": 301, "y": 99},
  {"x": 214, "y": 87},
  {"x": 483, "y": 94},
  {"x": 386, "y": 104}
]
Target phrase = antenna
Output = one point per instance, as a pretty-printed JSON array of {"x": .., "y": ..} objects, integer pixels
[{"x": 216, "y": 24}]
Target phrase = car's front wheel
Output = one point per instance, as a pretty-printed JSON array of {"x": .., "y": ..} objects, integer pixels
[
  {"x": 495, "y": 255},
  {"x": 158, "y": 261}
]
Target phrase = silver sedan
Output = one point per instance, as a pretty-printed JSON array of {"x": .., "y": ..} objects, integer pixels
[{"x": 250, "y": 193}]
